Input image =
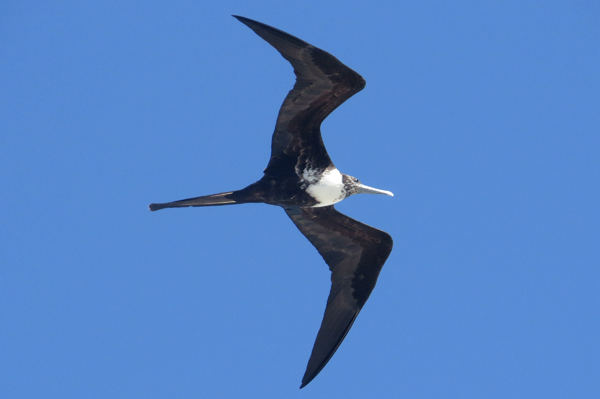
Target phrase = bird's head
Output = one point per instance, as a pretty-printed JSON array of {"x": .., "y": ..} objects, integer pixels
[{"x": 353, "y": 186}]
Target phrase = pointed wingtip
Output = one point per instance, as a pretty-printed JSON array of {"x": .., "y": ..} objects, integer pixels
[
  {"x": 308, "y": 379},
  {"x": 247, "y": 21},
  {"x": 305, "y": 383},
  {"x": 241, "y": 19}
]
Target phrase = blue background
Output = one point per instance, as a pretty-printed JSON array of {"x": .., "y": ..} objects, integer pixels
[{"x": 482, "y": 117}]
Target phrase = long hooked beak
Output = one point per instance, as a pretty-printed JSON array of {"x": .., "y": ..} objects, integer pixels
[{"x": 362, "y": 189}]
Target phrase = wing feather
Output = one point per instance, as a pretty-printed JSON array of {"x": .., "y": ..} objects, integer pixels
[
  {"x": 355, "y": 253},
  {"x": 322, "y": 84}
]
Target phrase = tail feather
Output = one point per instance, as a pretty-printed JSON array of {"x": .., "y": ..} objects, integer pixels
[{"x": 206, "y": 200}]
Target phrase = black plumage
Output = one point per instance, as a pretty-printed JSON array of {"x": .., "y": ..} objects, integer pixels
[{"x": 301, "y": 178}]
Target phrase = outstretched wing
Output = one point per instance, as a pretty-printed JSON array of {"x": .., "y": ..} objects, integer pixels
[
  {"x": 355, "y": 254},
  {"x": 322, "y": 84}
]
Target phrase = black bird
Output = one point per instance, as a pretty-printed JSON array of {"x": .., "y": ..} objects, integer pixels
[{"x": 301, "y": 179}]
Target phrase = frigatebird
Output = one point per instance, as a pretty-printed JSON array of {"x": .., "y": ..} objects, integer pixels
[{"x": 301, "y": 178}]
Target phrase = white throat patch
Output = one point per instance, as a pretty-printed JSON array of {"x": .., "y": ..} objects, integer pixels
[{"x": 328, "y": 190}]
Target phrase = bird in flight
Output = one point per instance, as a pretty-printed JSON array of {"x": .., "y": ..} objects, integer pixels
[{"x": 302, "y": 179}]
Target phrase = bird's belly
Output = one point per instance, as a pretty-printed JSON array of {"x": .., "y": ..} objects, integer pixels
[
  {"x": 328, "y": 190},
  {"x": 325, "y": 195}
]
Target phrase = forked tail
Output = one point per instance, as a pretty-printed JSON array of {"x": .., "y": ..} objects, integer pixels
[{"x": 206, "y": 200}]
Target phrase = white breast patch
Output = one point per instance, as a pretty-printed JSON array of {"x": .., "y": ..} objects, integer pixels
[{"x": 328, "y": 190}]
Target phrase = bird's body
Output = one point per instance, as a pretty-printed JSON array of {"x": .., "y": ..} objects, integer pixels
[{"x": 301, "y": 178}]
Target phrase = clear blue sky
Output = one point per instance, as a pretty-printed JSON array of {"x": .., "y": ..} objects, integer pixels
[{"x": 482, "y": 117}]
